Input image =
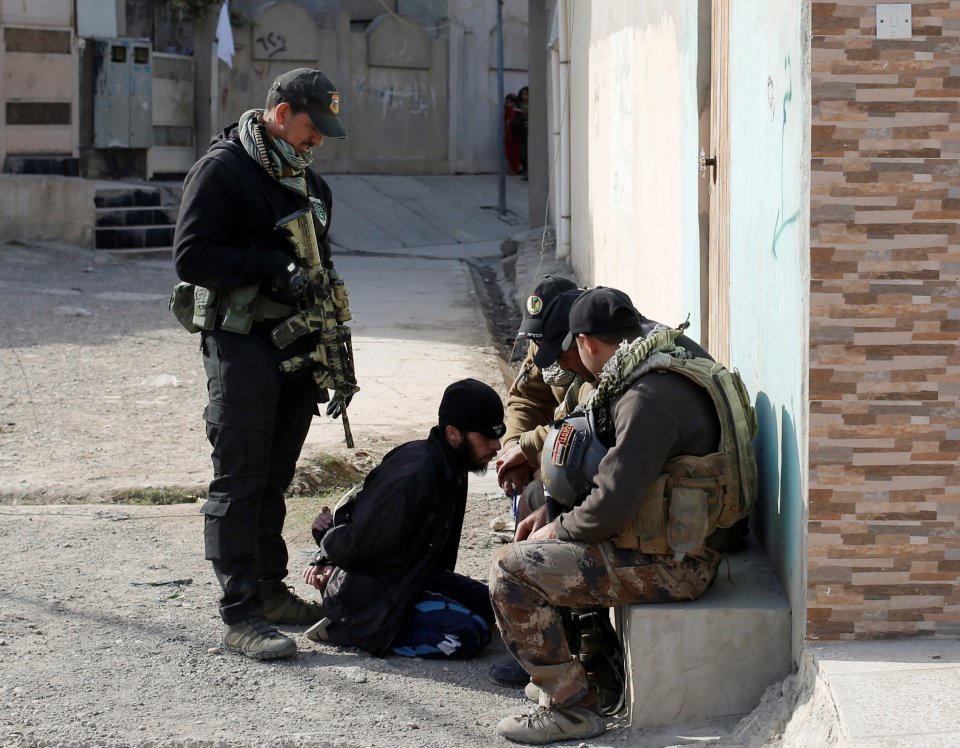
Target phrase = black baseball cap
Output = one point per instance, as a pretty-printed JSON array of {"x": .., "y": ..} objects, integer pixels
[
  {"x": 312, "y": 92},
  {"x": 544, "y": 290},
  {"x": 600, "y": 310},
  {"x": 471, "y": 405},
  {"x": 555, "y": 327}
]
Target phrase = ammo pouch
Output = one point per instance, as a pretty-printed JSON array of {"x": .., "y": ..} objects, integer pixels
[
  {"x": 681, "y": 509},
  {"x": 696, "y": 495},
  {"x": 197, "y": 308}
]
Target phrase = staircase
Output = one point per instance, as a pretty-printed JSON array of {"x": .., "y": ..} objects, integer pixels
[{"x": 133, "y": 218}]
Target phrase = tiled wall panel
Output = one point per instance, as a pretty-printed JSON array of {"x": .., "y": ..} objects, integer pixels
[{"x": 884, "y": 555}]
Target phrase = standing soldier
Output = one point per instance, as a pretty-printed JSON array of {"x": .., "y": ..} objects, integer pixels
[{"x": 255, "y": 173}]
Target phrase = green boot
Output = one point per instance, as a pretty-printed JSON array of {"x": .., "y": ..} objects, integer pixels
[
  {"x": 258, "y": 639},
  {"x": 281, "y": 605}
]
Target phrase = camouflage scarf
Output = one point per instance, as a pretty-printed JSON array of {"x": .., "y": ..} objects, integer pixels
[
  {"x": 275, "y": 155},
  {"x": 556, "y": 376},
  {"x": 631, "y": 360}
]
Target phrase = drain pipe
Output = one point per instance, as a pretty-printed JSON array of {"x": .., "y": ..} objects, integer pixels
[
  {"x": 555, "y": 112},
  {"x": 562, "y": 102}
]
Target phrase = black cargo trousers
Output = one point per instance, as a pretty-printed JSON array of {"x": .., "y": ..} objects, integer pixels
[{"x": 257, "y": 419}]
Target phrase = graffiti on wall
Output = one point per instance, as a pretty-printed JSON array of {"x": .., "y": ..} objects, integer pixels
[
  {"x": 414, "y": 97},
  {"x": 271, "y": 43},
  {"x": 622, "y": 122},
  {"x": 783, "y": 221}
]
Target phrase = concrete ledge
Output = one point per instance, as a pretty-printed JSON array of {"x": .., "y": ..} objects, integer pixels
[
  {"x": 46, "y": 208},
  {"x": 712, "y": 657}
]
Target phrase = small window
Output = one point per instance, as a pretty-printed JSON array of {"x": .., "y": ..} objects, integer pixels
[
  {"x": 118, "y": 54},
  {"x": 141, "y": 55}
]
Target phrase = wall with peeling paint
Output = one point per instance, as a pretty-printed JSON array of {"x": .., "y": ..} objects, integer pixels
[{"x": 634, "y": 144}]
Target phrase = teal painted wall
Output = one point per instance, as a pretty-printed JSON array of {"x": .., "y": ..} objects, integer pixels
[
  {"x": 769, "y": 265},
  {"x": 634, "y": 200}
]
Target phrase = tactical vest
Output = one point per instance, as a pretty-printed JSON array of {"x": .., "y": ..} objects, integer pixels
[{"x": 694, "y": 495}]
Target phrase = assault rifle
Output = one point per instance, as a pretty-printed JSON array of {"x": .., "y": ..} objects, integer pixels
[{"x": 324, "y": 308}]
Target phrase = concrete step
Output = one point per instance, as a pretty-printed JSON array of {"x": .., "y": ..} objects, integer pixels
[
  {"x": 126, "y": 197},
  {"x": 65, "y": 166},
  {"x": 710, "y": 658},
  {"x": 133, "y": 237},
  {"x": 135, "y": 217}
]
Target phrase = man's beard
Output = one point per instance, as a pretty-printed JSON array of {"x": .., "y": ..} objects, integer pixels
[{"x": 468, "y": 461}]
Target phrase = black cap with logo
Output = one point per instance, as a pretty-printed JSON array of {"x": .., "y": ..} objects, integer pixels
[
  {"x": 544, "y": 290},
  {"x": 555, "y": 327},
  {"x": 312, "y": 92},
  {"x": 471, "y": 405}
]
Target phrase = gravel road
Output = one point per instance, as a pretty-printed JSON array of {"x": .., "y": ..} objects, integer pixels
[{"x": 109, "y": 633}]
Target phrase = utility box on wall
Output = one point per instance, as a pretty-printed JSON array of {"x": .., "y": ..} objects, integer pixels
[{"x": 116, "y": 93}]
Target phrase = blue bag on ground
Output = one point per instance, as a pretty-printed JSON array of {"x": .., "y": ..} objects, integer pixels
[{"x": 441, "y": 628}]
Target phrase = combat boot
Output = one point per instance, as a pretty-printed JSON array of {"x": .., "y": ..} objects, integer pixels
[
  {"x": 552, "y": 724},
  {"x": 258, "y": 639},
  {"x": 281, "y": 605}
]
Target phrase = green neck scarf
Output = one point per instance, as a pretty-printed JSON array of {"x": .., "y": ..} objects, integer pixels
[{"x": 275, "y": 155}]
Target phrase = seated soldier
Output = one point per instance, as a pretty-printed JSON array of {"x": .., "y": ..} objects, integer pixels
[
  {"x": 673, "y": 431},
  {"x": 535, "y": 399},
  {"x": 544, "y": 324},
  {"x": 387, "y": 553}
]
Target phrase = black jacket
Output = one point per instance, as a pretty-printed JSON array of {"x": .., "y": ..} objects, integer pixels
[
  {"x": 225, "y": 234},
  {"x": 404, "y": 523}
]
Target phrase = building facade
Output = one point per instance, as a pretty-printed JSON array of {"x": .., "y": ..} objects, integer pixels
[{"x": 786, "y": 174}]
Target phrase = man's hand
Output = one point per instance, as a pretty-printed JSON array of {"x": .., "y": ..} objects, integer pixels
[
  {"x": 318, "y": 576},
  {"x": 321, "y": 524},
  {"x": 336, "y": 406},
  {"x": 513, "y": 470},
  {"x": 323, "y": 521},
  {"x": 292, "y": 281},
  {"x": 547, "y": 532},
  {"x": 531, "y": 525}
]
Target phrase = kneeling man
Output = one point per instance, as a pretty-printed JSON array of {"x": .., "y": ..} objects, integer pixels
[{"x": 388, "y": 552}]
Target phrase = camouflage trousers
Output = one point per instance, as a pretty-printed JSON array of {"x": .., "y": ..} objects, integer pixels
[{"x": 531, "y": 580}]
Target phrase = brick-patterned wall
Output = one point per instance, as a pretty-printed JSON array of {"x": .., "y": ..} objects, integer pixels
[{"x": 884, "y": 555}]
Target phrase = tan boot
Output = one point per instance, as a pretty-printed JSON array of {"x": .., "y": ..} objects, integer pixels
[
  {"x": 550, "y": 724},
  {"x": 258, "y": 639},
  {"x": 281, "y": 605}
]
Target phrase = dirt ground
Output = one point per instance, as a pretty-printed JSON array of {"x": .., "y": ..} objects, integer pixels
[{"x": 109, "y": 633}]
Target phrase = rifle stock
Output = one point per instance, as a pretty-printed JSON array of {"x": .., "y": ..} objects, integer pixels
[{"x": 324, "y": 310}]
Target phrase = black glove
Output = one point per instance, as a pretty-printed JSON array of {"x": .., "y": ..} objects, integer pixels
[
  {"x": 336, "y": 406},
  {"x": 289, "y": 280},
  {"x": 292, "y": 282}
]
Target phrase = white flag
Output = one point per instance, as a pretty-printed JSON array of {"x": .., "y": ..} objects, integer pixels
[{"x": 225, "y": 35}]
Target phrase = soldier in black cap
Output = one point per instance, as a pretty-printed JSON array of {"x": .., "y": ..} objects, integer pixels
[
  {"x": 671, "y": 432},
  {"x": 256, "y": 172},
  {"x": 537, "y": 392},
  {"x": 385, "y": 567},
  {"x": 537, "y": 397}
]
